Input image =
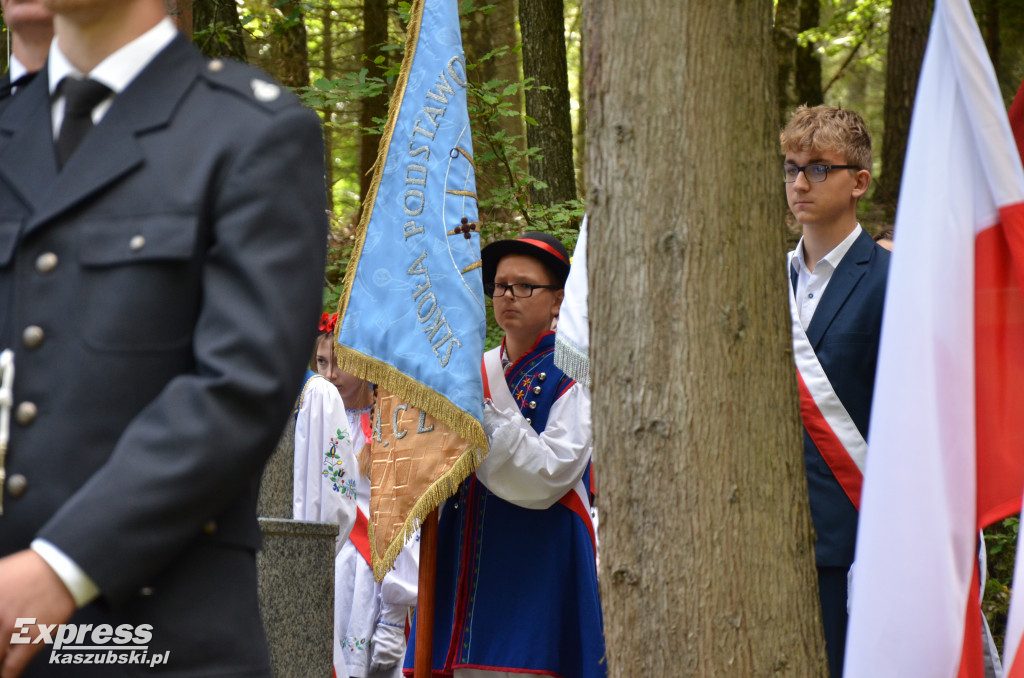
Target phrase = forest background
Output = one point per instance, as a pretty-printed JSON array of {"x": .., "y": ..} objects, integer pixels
[{"x": 526, "y": 65}]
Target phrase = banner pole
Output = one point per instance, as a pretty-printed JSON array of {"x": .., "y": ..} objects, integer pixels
[{"x": 425, "y": 597}]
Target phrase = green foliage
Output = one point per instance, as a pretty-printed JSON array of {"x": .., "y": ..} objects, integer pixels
[
  {"x": 852, "y": 23},
  {"x": 1001, "y": 549},
  {"x": 504, "y": 205}
]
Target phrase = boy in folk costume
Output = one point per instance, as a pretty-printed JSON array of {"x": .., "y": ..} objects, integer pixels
[
  {"x": 516, "y": 576},
  {"x": 837, "y": 287}
]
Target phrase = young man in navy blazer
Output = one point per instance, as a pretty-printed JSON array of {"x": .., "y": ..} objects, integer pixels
[{"x": 837, "y": 288}]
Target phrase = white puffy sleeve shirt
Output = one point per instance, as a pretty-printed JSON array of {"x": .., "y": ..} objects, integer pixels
[
  {"x": 325, "y": 465},
  {"x": 535, "y": 471}
]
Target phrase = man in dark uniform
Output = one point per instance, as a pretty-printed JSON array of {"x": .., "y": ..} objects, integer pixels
[
  {"x": 31, "y": 29},
  {"x": 162, "y": 239}
]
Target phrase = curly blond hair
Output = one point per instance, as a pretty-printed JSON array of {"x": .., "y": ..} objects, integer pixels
[{"x": 827, "y": 128}]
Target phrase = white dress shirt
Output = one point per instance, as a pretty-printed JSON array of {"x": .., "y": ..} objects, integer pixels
[
  {"x": 117, "y": 71},
  {"x": 810, "y": 285},
  {"x": 15, "y": 69}
]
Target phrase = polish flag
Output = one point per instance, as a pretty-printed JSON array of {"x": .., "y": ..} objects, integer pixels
[
  {"x": 1015, "y": 622},
  {"x": 946, "y": 443}
]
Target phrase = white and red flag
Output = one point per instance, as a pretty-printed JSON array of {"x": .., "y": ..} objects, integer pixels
[
  {"x": 946, "y": 443},
  {"x": 1015, "y": 622}
]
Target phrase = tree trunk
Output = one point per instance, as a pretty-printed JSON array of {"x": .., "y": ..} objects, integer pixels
[
  {"x": 908, "y": 35},
  {"x": 180, "y": 12},
  {"x": 375, "y": 35},
  {"x": 217, "y": 30},
  {"x": 327, "y": 112},
  {"x": 707, "y": 563},
  {"x": 989, "y": 21},
  {"x": 542, "y": 24},
  {"x": 482, "y": 34},
  {"x": 799, "y": 71},
  {"x": 289, "y": 48}
]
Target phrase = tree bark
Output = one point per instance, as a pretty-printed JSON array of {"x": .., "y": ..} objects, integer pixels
[
  {"x": 908, "y": 35},
  {"x": 542, "y": 24},
  {"x": 707, "y": 563},
  {"x": 482, "y": 34},
  {"x": 799, "y": 70},
  {"x": 327, "y": 112},
  {"x": 375, "y": 35},
  {"x": 289, "y": 48},
  {"x": 180, "y": 12},
  {"x": 989, "y": 20},
  {"x": 217, "y": 29}
]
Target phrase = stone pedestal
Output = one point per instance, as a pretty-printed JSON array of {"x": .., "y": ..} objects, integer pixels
[
  {"x": 276, "y": 487},
  {"x": 296, "y": 587},
  {"x": 296, "y": 575}
]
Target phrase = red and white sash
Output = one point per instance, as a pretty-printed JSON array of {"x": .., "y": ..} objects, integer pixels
[
  {"x": 824, "y": 416},
  {"x": 360, "y": 534},
  {"x": 577, "y": 499}
]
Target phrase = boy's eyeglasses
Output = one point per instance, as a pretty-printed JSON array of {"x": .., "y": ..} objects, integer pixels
[
  {"x": 815, "y": 172},
  {"x": 519, "y": 290}
]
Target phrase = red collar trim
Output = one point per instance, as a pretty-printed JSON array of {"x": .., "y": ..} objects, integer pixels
[{"x": 506, "y": 368}]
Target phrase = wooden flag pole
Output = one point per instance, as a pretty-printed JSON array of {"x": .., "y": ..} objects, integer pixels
[{"x": 425, "y": 596}]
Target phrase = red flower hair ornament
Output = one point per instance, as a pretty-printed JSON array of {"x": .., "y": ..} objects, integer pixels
[{"x": 327, "y": 321}]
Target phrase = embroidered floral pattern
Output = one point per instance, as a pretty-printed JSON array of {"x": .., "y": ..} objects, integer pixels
[
  {"x": 353, "y": 644},
  {"x": 334, "y": 471}
]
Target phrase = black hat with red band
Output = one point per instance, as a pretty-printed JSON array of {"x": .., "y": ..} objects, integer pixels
[{"x": 544, "y": 247}]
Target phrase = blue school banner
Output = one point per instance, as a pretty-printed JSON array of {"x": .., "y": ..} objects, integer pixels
[{"x": 412, "y": 318}]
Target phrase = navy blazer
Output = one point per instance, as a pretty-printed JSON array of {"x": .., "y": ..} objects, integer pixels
[
  {"x": 160, "y": 294},
  {"x": 844, "y": 333},
  {"x": 5, "y": 90}
]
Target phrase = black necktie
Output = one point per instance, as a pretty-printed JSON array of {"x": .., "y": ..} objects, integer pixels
[{"x": 80, "y": 98}]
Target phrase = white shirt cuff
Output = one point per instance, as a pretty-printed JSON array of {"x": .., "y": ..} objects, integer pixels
[{"x": 82, "y": 588}]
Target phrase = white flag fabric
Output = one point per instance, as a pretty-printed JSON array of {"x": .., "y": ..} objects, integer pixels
[
  {"x": 572, "y": 339},
  {"x": 941, "y": 443}
]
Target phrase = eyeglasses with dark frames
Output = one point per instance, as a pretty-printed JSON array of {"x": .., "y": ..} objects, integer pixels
[
  {"x": 815, "y": 172},
  {"x": 519, "y": 290}
]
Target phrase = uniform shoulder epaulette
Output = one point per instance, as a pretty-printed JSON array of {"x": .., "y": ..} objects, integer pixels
[{"x": 250, "y": 83}]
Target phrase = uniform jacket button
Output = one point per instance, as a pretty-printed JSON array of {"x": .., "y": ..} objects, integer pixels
[
  {"x": 542, "y": 376},
  {"x": 137, "y": 243},
  {"x": 146, "y": 591},
  {"x": 533, "y": 404},
  {"x": 26, "y": 413},
  {"x": 46, "y": 262},
  {"x": 16, "y": 485},
  {"x": 210, "y": 527},
  {"x": 536, "y": 390},
  {"x": 32, "y": 336}
]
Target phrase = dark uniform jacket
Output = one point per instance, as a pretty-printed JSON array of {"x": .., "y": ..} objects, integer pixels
[
  {"x": 160, "y": 294},
  {"x": 5, "y": 90}
]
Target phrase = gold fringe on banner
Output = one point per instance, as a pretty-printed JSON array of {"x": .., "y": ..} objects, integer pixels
[
  {"x": 417, "y": 395},
  {"x": 364, "y": 366},
  {"x": 443, "y": 488},
  {"x": 387, "y": 377}
]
